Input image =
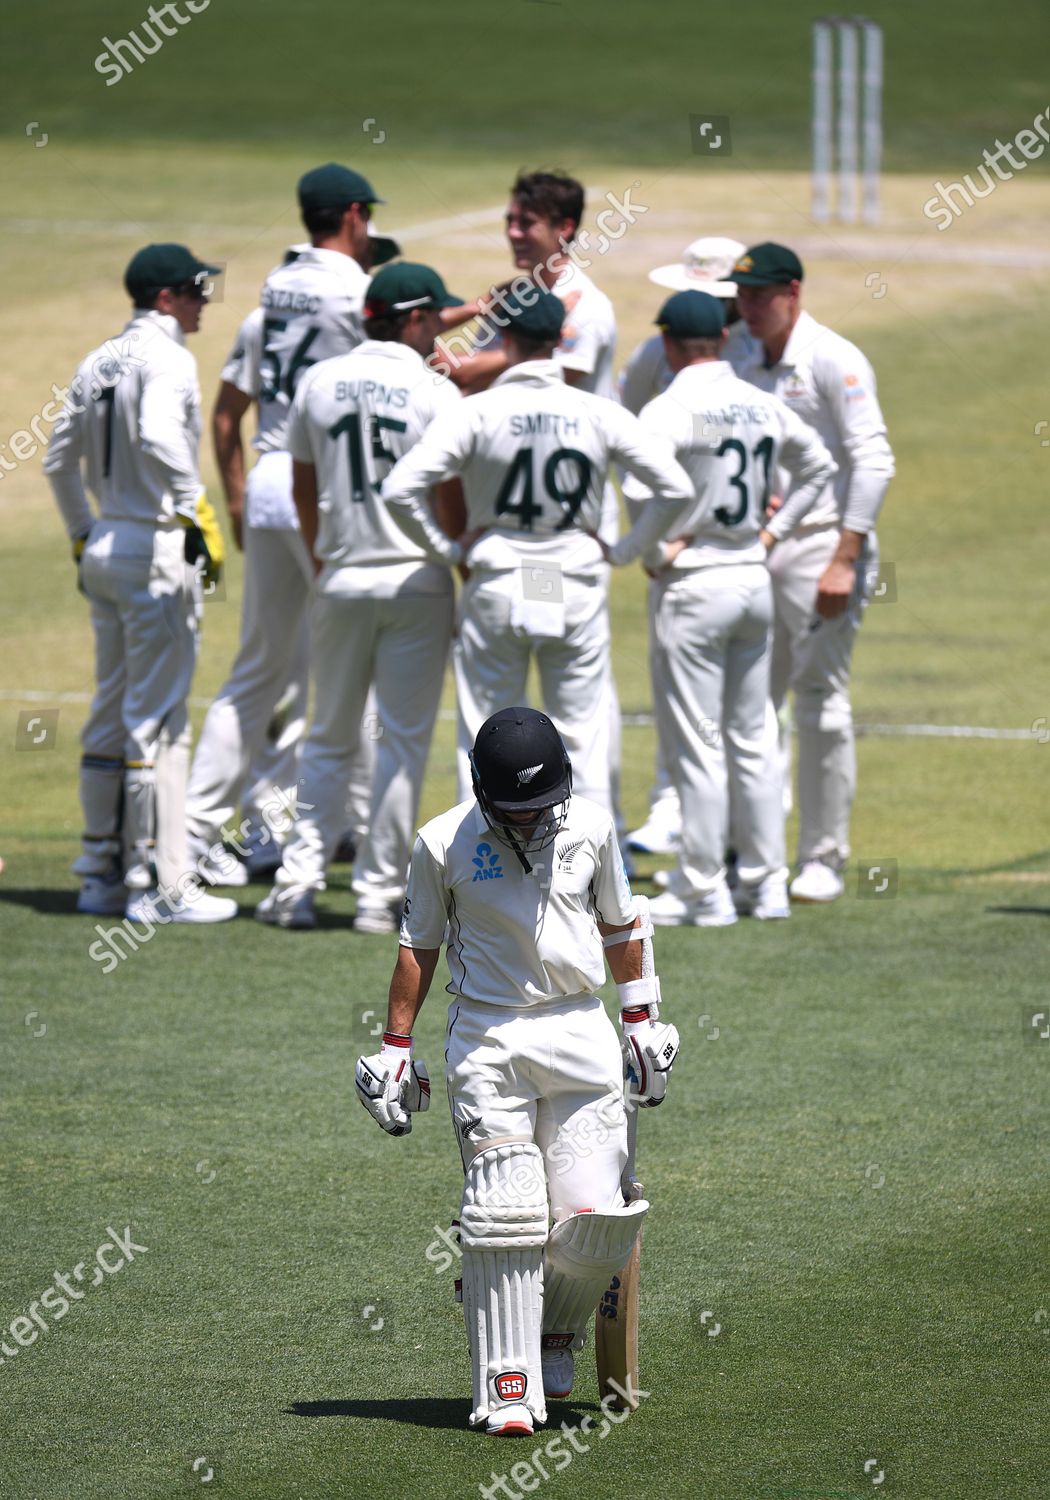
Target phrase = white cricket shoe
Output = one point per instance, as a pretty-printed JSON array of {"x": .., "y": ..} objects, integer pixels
[
  {"x": 102, "y": 896},
  {"x": 661, "y": 833},
  {"x": 559, "y": 1369},
  {"x": 767, "y": 901},
  {"x": 289, "y": 908},
  {"x": 379, "y": 919},
  {"x": 713, "y": 910},
  {"x": 510, "y": 1421},
  {"x": 817, "y": 882},
  {"x": 157, "y": 910},
  {"x": 215, "y": 864}
]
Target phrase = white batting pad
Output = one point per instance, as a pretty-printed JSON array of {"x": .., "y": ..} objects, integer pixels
[
  {"x": 503, "y": 1228},
  {"x": 582, "y": 1254}
]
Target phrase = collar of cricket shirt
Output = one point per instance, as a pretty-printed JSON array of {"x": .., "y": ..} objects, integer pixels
[
  {"x": 164, "y": 321},
  {"x": 317, "y": 256},
  {"x": 715, "y": 369},
  {"x": 801, "y": 337},
  {"x": 537, "y": 371}
]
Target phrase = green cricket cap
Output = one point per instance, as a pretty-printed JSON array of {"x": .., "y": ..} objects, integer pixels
[
  {"x": 767, "y": 264},
  {"x": 333, "y": 186},
  {"x": 156, "y": 266},
  {"x": 692, "y": 315},
  {"x": 400, "y": 288},
  {"x": 535, "y": 314},
  {"x": 381, "y": 247}
]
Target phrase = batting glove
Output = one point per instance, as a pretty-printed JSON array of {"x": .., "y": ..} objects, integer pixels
[
  {"x": 649, "y": 1050},
  {"x": 391, "y": 1086}
]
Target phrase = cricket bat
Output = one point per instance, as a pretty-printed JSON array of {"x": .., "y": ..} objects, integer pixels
[{"x": 616, "y": 1320}]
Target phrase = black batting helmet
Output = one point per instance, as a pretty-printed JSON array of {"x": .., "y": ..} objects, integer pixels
[{"x": 519, "y": 764}]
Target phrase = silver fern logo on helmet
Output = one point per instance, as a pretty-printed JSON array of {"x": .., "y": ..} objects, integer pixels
[{"x": 527, "y": 773}]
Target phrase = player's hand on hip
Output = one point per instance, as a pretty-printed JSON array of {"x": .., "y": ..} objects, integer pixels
[
  {"x": 835, "y": 588},
  {"x": 391, "y": 1086},
  {"x": 649, "y": 1051}
]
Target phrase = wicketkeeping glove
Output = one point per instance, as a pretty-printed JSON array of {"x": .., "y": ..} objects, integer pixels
[
  {"x": 204, "y": 540},
  {"x": 649, "y": 1049},
  {"x": 391, "y": 1086}
]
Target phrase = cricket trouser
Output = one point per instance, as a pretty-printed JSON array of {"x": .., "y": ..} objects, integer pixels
[
  {"x": 551, "y": 1074},
  {"x": 500, "y": 633},
  {"x": 136, "y": 739},
  {"x": 664, "y": 790},
  {"x": 710, "y": 690},
  {"x": 396, "y": 642},
  {"x": 270, "y": 667},
  {"x": 811, "y": 657}
]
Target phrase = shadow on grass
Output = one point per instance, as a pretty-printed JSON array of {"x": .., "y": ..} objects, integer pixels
[
  {"x": 422, "y": 1411},
  {"x": 1020, "y": 911},
  {"x": 51, "y": 902}
]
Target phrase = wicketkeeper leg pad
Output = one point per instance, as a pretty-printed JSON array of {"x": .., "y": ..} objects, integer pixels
[
  {"x": 583, "y": 1253},
  {"x": 503, "y": 1228}
]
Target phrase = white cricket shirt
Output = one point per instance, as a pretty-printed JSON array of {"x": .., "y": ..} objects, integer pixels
[
  {"x": 353, "y": 417},
  {"x": 533, "y": 454},
  {"x": 730, "y": 437},
  {"x": 828, "y": 383},
  {"x": 131, "y": 425},
  {"x": 313, "y": 309},
  {"x": 588, "y": 336},
  {"x": 647, "y": 373},
  {"x": 517, "y": 939},
  {"x": 242, "y": 363}
]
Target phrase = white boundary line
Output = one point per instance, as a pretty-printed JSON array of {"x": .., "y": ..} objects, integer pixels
[
  {"x": 641, "y": 721},
  {"x": 1027, "y": 259}
]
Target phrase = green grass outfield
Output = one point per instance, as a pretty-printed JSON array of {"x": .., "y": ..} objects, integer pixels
[{"x": 849, "y": 1178}]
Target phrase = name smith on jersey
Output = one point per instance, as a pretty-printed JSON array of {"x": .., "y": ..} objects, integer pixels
[{"x": 540, "y": 422}]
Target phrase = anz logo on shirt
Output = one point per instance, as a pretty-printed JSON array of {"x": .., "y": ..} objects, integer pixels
[{"x": 488, "y": 865}]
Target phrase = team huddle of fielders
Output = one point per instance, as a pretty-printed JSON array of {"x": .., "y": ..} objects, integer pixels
[{"x": 754, "y": 461}]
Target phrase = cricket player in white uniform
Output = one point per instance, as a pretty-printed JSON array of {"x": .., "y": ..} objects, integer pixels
[
  {"x": 714, "y": 614},
  {"x": 542, "y": 224},
  {"x": 823, "y": 576},
  {"x": 383, "y": 610},
  {"x": 524, "y": 883},
  {"x": 131, "y": 427},
  {"x": 311, "y": 309},
  {"x": 274, "y": 765},
  {"x": 703, "y": 268},
  {"x": 533, "y": 454}
]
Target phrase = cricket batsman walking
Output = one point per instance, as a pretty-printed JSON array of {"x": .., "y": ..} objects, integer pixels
[{"x": 525, "y": 884}]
